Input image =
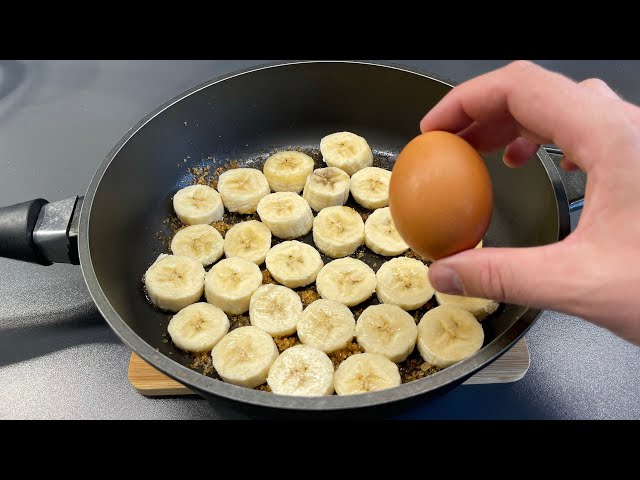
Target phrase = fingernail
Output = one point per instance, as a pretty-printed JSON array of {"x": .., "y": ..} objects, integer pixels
[
  {"x": 507, "y": 160},
  {"x": 445, "y": 280}
]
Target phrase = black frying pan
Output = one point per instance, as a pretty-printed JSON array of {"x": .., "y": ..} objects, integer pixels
[{"x": 112, "y": 231}]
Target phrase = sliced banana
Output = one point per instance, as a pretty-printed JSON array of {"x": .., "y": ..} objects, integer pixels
[
  {"x": 173, "y": 282},
  {"x": 347, "y": 280},
  {"x": 275, "y": 309},
  {"x": 198, "y": 327},
  {"x": 230, "y": 284},
  {"x": 447, "y": 335},
  {"x": 302, "y": 371},
  {"x": 479, "y": 307},
  {"x": 479, "y": 245},
  {"x": 244, "y": 356},
  {"x": 249, "y": 240},
  {"x": 370, "y": 187},
  {"x": 347, "y": 151},
  {"x": 287, "y": 214},
  {"x": 294, "y": 264},
  {"x": 287, "y": 171},
  {"x": 381, "y": 236},
  {"x": 326, "y": 325},
  {"x": 198, "y": 205},
  {"x": 365, "y": 372},
  {"x": 326, "y": 187},
  {"x": 338, "y": 231},
  {"x": 201, "y": 242},
  {"x": 242, "y": 188},
  {"x": 404, "y": 282},
  {"x": 387, "y": 330}
]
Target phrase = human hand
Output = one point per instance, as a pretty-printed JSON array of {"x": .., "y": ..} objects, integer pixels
[{"x": 595, "y": 272}]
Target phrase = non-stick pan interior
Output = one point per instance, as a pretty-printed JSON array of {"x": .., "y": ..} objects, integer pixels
[{"x": 245, "y": 117}]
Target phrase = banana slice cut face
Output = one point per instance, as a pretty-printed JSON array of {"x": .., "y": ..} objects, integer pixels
[
  {"x": 447, "y": 335},
  {"x": 346, "y": 280},
  {"x": 381, "y": 236},
  {"x": 479, "y": 307},
  {"x": 387, "y": 330},
  {"x": 243, "y": 356},
  {"x": 242, "y": 188},
  {"x": 275, "y": 309},
  {"x": 230, "y": 284},
  {"x": 346, "y": 151},
  {"x": 404, "y": 282},
  {"x": 338, "y": 231},
  {"x": 198, "y": 327},
  {"x": 365, "y": 372},
  {"x": 326, "y": 325},
  {"x": 370, "y": 187},
  {"x": 200, "y": 242},
  {"x": 249, "y": 240},
  {"x": 287, "y": 214},
  {"x": 302, "y": 371},
  {"x": 198, "y": 205},
  {"x": 326, "y": 187},
  {"x": 294, "y": 264},
  {"x": 174, "y": 282},
  {"x": 288, "y": 171}
]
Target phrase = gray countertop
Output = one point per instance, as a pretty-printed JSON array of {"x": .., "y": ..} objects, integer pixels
[{"x": 59, "y": 359}]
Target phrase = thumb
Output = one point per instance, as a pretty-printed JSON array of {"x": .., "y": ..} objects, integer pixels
[{"x": 534, "y": 276}]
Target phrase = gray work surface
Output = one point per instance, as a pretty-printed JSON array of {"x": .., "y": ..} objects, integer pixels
[{"x": 59, "y": 359}]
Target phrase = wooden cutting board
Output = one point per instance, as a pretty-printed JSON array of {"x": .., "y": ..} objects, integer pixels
[{"x": 509, "y": 368}]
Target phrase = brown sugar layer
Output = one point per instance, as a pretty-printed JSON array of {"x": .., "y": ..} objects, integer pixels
[{"x": 413, "y": 368}]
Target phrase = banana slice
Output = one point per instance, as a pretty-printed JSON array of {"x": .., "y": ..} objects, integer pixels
[
  {"x": 338, "y": 231},
  {"x": 303, "y": 371},
  {"x": 287, "y": 214},
  {"x": 347, "y": 151},
  {"x": 201, "y": 242},
  {"x": 287, "y": 171},
  {"x": 230, "y": 283},
  {"x": 294, "y": 264},
  {"x": 347, "y": 280},
  {"x": 370, "y": 187},
  {"x": 242, "y": 188},
  {"x": 479, "y": 245},
  {"x": 198, "y": 327},
  {"x": 198, "y": 205},
  {"x": 381, "y": 236},
  {"x": 275, "y": 309},
  {"x": 326, "y": 325},
  {"x": 404, "y": 282},
  {"x": 365, "y": 372},
  {"x": 244, "y": 356},
  {"x": 479, "y": 307},
  {"x": 447, "y": 335},
  {"x": 387, "y": 330},
  {"x": 326, "y": 187},
  {"x": 249, "y": 240},
  {"x": 173, "y": 282}
]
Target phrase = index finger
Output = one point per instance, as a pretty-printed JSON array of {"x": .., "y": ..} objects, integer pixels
[{"x": 536, "y": 104}]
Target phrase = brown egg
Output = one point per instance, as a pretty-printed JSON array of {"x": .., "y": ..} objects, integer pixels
[{"x": 440, "y": 195}]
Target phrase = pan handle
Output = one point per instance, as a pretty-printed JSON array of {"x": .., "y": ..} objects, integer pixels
[
  {"x": 41, "y": 232},
  {"x": 574, "y": 185}
]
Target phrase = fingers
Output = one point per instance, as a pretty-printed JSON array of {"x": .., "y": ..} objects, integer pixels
[
  {"x": 519, "y": 152},
  {"x": 524, "y": 276},
  {"x": 524, "y": 100},
  {"x": 599, "y": 86}
]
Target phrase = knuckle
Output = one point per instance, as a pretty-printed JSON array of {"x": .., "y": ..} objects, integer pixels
[
  {"x": 595, "y": 82},
  {"x": 522, "y": 65},
  {"x": 493, "y": 282}
]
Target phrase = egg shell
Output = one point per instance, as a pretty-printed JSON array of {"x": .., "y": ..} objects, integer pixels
[{"x": 440, "y": 195}]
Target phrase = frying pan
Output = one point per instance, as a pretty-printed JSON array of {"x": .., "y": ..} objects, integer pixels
[{"x": 112, "y": 232}]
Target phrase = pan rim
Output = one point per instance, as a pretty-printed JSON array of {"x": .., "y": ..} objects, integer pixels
[{"x": 201, "y": 383}]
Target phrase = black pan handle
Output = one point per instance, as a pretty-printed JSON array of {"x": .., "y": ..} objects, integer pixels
[
  {"x": 41, "y": 232},
  {"x": 574, "y": 182}
]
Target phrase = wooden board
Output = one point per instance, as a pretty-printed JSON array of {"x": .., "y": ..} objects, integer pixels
[{"x": 509, "y": 368}]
